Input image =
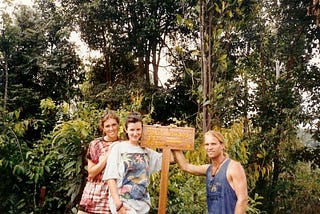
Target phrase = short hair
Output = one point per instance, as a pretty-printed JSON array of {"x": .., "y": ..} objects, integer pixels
[
  {"x": 106, "y": 116},
  {"x": 133, "y": 117},
  {"x": 215, "y": 134}
]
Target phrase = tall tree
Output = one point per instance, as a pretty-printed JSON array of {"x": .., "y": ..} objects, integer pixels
[
  {"x": 132, "y": 28},
  {"x": 41, "y": 61},
  {"x": 280, "y": 41},
  {"x": 219, "y": 27},
  {"x": 7, "y": 42}
]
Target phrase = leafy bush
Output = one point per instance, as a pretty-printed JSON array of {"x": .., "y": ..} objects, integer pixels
[{"x": 299, "y": 193}]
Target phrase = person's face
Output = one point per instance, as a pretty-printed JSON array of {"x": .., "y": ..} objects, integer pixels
[
  {"x": 110, "y": 129},
  {"x": 134, "y": 131},
  {"x": 212, "y": 146}
]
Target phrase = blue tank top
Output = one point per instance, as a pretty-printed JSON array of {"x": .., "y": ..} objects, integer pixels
[{"x": 221, "y": 198}]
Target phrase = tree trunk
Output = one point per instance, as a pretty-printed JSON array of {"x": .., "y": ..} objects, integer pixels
[
  {"x": 107, "y": 67},
  {"x": 6, "y": 82},
  {"x": 155, "y": 66},
  {"x": 263, "y": 83},
  {"x": 106, "y": 58},
  {"x": 205, "y": 38}
]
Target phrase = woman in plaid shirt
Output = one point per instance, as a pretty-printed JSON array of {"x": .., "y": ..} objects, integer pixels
[{"x": 95, "y": 195}]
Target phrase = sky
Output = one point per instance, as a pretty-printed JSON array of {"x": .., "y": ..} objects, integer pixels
[
  {"x": 17, "y": 2},
  {"x": 23, "y": 2},
  {"x": 5, "y": 8}
]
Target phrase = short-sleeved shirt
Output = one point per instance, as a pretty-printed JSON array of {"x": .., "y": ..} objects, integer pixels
[
  {"x": 95, "y": 196},
  {"x": 131, "y": 166}
]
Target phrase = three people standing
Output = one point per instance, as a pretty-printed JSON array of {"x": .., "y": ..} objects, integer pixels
[{"x": 124, "y": 173}]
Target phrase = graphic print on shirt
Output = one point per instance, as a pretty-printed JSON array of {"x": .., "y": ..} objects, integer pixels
[
  {"x": 136, "y": 179},
  {"x": 215, "y": 190}
]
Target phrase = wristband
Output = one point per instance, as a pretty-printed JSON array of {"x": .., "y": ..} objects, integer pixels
[{"x": 120, "y": 206}]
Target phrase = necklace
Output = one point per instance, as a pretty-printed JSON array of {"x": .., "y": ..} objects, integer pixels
[
  {"x": 105, "y": 138},
  {"x": 214, "y": 172}
]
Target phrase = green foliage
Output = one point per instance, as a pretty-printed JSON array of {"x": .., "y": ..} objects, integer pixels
[
  {"x": 54, "y": 162},
  {"x": 35, "y": 49},
  {"x": 260, "y": 53},
  {"x": 308, "y": 154},
  {"x": 21, "y": 166},
  {"x": 68, "y": 148},
  {"x": 254, "y": 204},
  {"x": 299, "y": 193},
  {"x": 187, "y": 194},
  {"x": 177, "y": 101},
  {"x": 237, "y": 146}
]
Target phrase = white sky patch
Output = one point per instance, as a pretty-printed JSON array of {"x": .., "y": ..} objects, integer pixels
[
  {"x": 83, "y": 50},
  {"x": 23, "y": 2},
  {"x": 316, "y": 55}
]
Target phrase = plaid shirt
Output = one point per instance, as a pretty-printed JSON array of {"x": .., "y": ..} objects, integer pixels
[{"x": 95, "y": 196}]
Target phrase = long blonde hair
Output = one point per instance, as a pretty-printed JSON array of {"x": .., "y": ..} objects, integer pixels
[
  {"x": 220, "y": 138},
  {"x": 215, "y": 134}
]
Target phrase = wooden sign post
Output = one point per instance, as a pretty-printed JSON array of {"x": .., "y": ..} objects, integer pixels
[{"x": 167, "y": 138}]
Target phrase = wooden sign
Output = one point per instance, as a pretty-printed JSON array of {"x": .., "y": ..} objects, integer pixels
[
  {"x": 166, "y": 138},
  {"x": 179, "y": 138}
]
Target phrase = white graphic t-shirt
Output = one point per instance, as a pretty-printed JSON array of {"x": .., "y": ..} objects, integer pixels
[{"x": 131, "y": 166}]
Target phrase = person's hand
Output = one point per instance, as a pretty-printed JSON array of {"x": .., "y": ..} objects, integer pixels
[
  {"x": 173, "y": 126},
  {"x": 175, "y": 152},
  {"x": 123, "y": 209},
  {"x": 103, "y": 158}
]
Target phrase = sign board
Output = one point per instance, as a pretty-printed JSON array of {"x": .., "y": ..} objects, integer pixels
[
  {"x": 180, "y": 138},
  {"x": 166, "y": 138}
]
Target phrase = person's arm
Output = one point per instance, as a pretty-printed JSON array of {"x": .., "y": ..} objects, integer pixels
[
  {"x": 95, "y": 168},
  {"x": 112, "y": 183},
  {"x": 187, "y": 167},
  {"x": 238, "y": 181}
]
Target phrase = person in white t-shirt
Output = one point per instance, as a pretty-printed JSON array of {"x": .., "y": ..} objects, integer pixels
[{"x": 128, "y": 170}]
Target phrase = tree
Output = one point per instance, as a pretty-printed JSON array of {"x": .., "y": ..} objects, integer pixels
[
  {"x": 36, "y": 54},
  {"x": 138, "y": 30},
  {"x": 6, "y": 43},
  {"x": 219, "y": 26},
  {"x": 279, "y": 38}
]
